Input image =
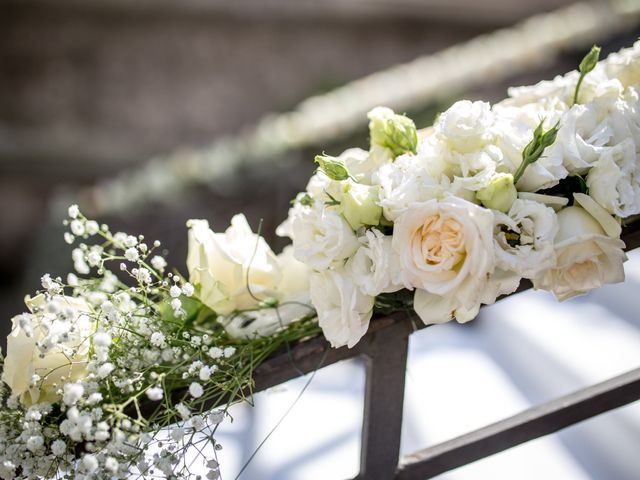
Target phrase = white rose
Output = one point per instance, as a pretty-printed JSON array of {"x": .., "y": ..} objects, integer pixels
[
  {"x": 293, "y": 302},
  {"x": 231, "y": 268},
  {"x": 35, "y": 346},
  {"x": 375, "y": 267},
  {"x": 524, "y": 238},
  {"x": 513, "y": 129},
  {"x": 586, "y": 257},
  {"x": 322, "y": 237},
  {"x": 343, "y": 310},
  {"x": 446, "y": 249},
  {"x": 614, "y": 181},
  {"x": 465, "y": 126},
  {"x": 581, "y": 138}
]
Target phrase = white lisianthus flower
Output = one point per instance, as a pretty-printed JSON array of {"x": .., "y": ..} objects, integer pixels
[
  {"x": 513, "y": 130},
  {"x": 561, "y": 88},
  {"x": 465, "y": 126},
  {"x": 524, "y": 238},
  {"x": 625, "y": 65},
  {"x": 614, "y": 181},
  {"x": 321, "y": 236},
  {"x": 586, "y": 257},
  {"x": 375, "y": 267},
  {"x": 231, "y": 268},
  {"x": 53, "y": 346},
  {"x": 343, "y": 310},
  {"x": 446, "y": 250},
  {"x": 405, "y": 182},
  {"x": 581, "y": 139}
]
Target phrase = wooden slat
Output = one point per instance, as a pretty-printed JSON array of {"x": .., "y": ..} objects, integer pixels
[{"x": 528, "y": 425}]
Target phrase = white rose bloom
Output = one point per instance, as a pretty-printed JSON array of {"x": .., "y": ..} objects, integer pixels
[
  {"x": 581, "y": 139},
  {"x": 586, "y": 257},
  {"x": 445, "y": 249},
  {"x": 465, "y": 126},
  {"x": 614, "y": 181},
  {"x": 375, "y": 267},
  {"x": 231, "y": 268},
  {"x": 535, "y": 226},
  {"x": 53, "y": 346},
  {"x": 292, "y": 295},
  {"x": 513, "y": 130},
  {"x": 405, "y": 182},
  {"x": 343, "y": 310},
  {"x": 322, "y": 237}
]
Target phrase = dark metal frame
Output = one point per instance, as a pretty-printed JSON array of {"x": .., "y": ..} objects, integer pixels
[{"x": 384, "y": 350}]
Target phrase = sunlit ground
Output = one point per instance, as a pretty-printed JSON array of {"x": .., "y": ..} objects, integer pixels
[{"x": 525, "y": 350}]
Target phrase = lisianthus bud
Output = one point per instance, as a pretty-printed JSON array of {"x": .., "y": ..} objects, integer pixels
[
  {"x": 360, "y": 205},
  {"x": 390, "y": 130},
  {"x": 499, "y": 194}
]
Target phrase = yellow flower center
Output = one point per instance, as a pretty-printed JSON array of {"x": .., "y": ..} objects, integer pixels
[{"x": 442, "y": 242}]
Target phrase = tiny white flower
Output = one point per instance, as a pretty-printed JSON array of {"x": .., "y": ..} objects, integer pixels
[
  {"x": 58, "y": 448},
  {"x": 183, "y": 411},
  {"x": 105, "y": 370},
  {"x": 215, "y": 352},
  {"x": 72, "y": 393},
  {"x": 90, "y": 463},
  {"x": 35, "y": 443},
  {"x": 102, "y": 339},
  {"x": 131, "y": 254},
  {"x": 159, "y": 263},
  {"x": 196, "y": 390},
  {"x": 73, "y": 211},
  {"x": 157, "y": 339},
  {"x": 91, "y": 227},
  {"x": 77, "y": 228},
  {"x": 69, "y": 238},
  {"x": 175, "y": 291},
  {"x": 188, "y": 289},
  {"x": 155, "y": 394},
  {"x": 205, "y": 373},
  {"x": 229, "y": 351},
  {"x": 111, "y": 464}
]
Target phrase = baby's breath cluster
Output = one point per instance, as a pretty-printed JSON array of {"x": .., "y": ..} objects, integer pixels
[{"x": 114, "y": 370}]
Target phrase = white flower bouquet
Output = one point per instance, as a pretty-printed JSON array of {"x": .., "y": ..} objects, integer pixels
[
  {"x": 534, "y": 187},
  {"x": 114, "y": 372}
]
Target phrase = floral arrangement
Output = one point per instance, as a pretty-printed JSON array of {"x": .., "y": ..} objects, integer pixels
[
  {"x": 118, "y": 370},
  {"x": 533, "y": 187}
]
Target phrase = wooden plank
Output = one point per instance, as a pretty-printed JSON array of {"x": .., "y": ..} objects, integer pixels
[{"x": 527, "y": 425}]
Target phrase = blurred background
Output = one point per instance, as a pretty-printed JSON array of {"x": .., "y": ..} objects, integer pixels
[{"x": 149, "y": 113}]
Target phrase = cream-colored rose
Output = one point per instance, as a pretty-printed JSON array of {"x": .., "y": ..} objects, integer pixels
[
  {"x": 231, "y": 269},
  {"x": 343, "y": 310},
  {"x": 48, "y": 348},
  {"x": 291, "y": 297},
  {"x": 586, "y": 257},
  {"x": 446, "y": 252}
]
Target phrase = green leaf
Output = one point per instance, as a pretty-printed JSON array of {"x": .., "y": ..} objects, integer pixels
[{"x": 332, "y": 167}]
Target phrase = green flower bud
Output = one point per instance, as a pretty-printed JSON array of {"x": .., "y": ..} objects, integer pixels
[
  {"x": 360, "y": 205},
  {"x": 395, "y": 132},
  {"x": 590, "y": 60},
  {"x": 333, "y": 167},
  {"x": 499, "y": 194}
]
